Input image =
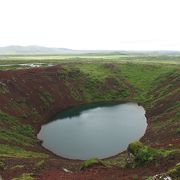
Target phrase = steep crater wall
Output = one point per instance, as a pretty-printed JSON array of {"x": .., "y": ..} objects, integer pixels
[
  {"x": 34, "y": 95},
  {"x": 31, "y": 97}
]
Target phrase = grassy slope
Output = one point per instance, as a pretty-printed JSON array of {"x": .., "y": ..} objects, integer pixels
[{"x": 144, "y": 83}]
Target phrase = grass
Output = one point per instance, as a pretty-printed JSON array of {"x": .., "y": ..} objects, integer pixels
[
  {"x": 90, "y": 82},
  {"x": 25, "y": 176},
  {"x": 144, "y": 154},
  {"x": 94, "y": 71},
  {"x": 17, "y": 167},
  {"x": 91, "y": 162},
  {"x": 118, "y": 161},
  {"x": 14, "y": 137},
  {"x": 92, "y": 79},
  {"x": 140, "y": 71},
  {"x": 14, "y": 151},
  {"x": 143, "y": 76},
  {"x": 13, "y": 131}
]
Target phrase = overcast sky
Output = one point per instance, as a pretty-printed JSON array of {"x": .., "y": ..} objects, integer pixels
[{"x": 91, "y": 24}]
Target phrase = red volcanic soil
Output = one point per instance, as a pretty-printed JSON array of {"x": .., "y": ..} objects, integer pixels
[
  {"x": 102, "y": 173},
  {"x": 25, "y": 88},
  {"x": 36, "y": 95}
]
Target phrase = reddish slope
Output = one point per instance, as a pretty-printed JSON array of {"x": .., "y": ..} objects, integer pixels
[{"x": 36, "y": 94}]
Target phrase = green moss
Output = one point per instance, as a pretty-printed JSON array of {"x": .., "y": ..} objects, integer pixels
[
  {"x": 25, "y": 176},
  {"x": 89, "y": 163},
  {"x": 134, "y": 147},
  {"x": 118, "y": 161},
  {"x": 94, "y": 71},
  {"x": 145, "y": 155}
]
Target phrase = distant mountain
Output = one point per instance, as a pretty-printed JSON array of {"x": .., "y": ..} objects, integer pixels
[
  {"x": 29, "y": 50},
  {"x": 34, "y": 50}
]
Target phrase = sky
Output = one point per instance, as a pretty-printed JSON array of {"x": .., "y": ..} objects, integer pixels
[{"x": 91, "y": 24}]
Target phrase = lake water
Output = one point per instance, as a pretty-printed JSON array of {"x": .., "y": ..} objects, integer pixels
[{"x": 96, "y": 130}]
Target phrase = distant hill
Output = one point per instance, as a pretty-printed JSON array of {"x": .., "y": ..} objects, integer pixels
[
  {"x": 25, "y": 50},
  {"x": 34, "y": 50},
  {"x": 28, "y": 50}
]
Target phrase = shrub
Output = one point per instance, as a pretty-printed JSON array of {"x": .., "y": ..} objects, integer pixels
[
  {"x": 134, "y": 147},
  {"x": 144, "y": 154}
]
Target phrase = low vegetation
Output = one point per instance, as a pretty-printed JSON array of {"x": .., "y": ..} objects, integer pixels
[
  {"x": 13, "y": 131},
  {"x": 14, "y": 151},
  {"x": 174, "y": 172},
  {"x": 91, "y": 162},
  {"x": 144, "y": 154},
  {"x": 30, "y": 97},
  {"x": 24, "y": 176}
]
